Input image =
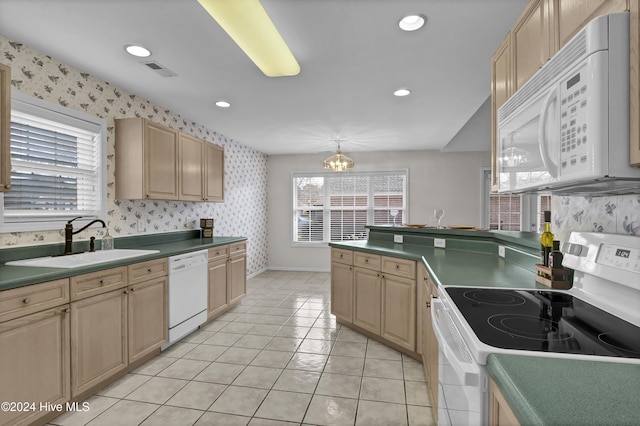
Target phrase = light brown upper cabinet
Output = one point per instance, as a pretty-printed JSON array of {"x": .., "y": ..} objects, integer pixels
[
  {"x": 159, "y": 163},
  {"x": 146, "y": 160},
  {"x": 5, "y": 125},
  {"x": 501, "y": 89},
  {"x": 191, "y": 168},
  {"x": 533, "y": 40},
  {"x": 214, "y": 172},
  {"x": 634, "y": 86},
  {"x": 575, "y": 14}
]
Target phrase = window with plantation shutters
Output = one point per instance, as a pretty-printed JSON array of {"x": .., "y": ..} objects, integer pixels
[
  {"x": 338, "y": 207},
  {"x": 57, "y": 166}
]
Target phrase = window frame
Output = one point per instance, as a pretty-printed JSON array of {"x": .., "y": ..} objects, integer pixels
[
  {"x": 57, "y": 113},
  {"x": 326, "y": 209}
]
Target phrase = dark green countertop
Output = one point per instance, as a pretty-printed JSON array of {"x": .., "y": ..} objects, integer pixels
[
  {"x": 168, "y": 245},
  {"x": 455, "y": 267},
  {"x": 552, "y": 391}
]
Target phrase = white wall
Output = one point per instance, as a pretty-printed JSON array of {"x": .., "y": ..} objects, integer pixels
[{"x": 451, "y": 181}]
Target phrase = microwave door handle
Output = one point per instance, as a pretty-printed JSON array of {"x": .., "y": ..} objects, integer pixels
[{"x": 551, "y": 167}]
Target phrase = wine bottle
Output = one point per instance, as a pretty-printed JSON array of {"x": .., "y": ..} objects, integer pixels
[
  {"x": 555, "y": 257},
  {"x": 546, "y": 239}
]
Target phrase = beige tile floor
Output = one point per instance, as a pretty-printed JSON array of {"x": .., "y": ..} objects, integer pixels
[{"x": 278, "y": 358}]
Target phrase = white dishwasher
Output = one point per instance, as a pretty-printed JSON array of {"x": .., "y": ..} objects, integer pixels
[{"x": 187, "y": 294}]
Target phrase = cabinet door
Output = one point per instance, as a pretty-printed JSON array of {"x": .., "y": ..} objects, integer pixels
[
  {"x": 160, "y": 162},
  {"x": 342, "y": 291},
  {"x": 634, "y": 84},
  {"x": 34, "y": 363},
  {"x": 5, "y": 126},
  {"x": 237, "y": 284},
  {"x": 532, "y": 40},
  {"x": 218, "y": 295},
  {"x": 398, "y": 322},
  {"x": 500, "y": 414},
  {"x": 147, "y": 317},
  {"x": 501, "y": 89},
  {"x": 432, "y": 350},
  {"x": 214, "y": 179},
  {"x": 98, "y": 339},
  {"x": 573, "y": 15},
  {"x": 192, "y": 170},
  {"x": 366, "y": 299}
]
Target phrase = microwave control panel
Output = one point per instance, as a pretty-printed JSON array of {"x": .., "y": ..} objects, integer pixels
[{"x": 574, "y": 155}]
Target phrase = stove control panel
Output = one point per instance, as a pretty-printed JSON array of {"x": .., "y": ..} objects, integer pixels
[{"x": 625, "y": 258}]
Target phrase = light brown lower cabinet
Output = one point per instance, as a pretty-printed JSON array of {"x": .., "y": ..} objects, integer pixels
[
  {"x": 218, "y": 295},
  {"x": 398, "y": 320},
  {"x": 500, "y": 414},
  {"x": 98, "y": 339},
  {"x": 227, "y": 277},
  {"x": 377, "y": 294},
  {"x": 367, "y": 289},
  {"x": 429, "y": 342},
  {"x": 237, "y": 277},
  {"x": 342, "y": 291},
  {"x": 34, "y": 364},
  {"x": 148, "y": 317}
]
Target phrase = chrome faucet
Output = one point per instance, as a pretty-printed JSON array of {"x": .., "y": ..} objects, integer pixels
[{"x": 69, "y": 232}]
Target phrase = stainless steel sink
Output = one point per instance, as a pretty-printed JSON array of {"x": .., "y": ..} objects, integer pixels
[{"x": 81, "y": 259}]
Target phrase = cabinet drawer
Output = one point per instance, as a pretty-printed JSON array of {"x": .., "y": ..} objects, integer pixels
[
  {"x": 400, "y": 267},
  {"x": 366, "y": 260},
  {"x": 217, "y": 253},
  {"x": 17, "y": 302},
  {"x": 98, "y": 282},
  {"x": 143, "y": 271},
  {"x": 237, "y": 248},
  {"x": 342, "y": 256}
]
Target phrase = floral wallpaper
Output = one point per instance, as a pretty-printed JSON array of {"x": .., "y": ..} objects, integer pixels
[
  {"x": 242, "y": 214},
  {"x": 614, "y": 215}
]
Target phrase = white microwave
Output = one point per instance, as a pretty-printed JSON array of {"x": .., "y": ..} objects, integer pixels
[{"x": 566, "y": 130}]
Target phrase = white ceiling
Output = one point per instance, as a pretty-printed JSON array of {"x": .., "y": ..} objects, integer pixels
[{"x": 351, "y": 53}]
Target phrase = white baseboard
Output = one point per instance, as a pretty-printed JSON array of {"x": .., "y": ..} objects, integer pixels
[{"x": 255, "y": 274}]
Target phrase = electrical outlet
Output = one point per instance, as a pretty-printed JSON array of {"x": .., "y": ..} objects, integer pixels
[
  {"x": 140, "y": 226},
  {"x": 501, "y": 251},
  {"x": 439, "y": 242},
  {"x": 398, "y": 239}
]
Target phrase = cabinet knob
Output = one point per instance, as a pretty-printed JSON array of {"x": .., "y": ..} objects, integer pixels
[
  {"x": 7, "y": 186},
  {"x": 27, "y": 300},
  {"x": 101, "y": 282},
  {"x": 341, "y": 256},
  {"x": 397, "y": 266},
  {"x": 366, "y": 261},
  {"x": 149, "y": 270}
]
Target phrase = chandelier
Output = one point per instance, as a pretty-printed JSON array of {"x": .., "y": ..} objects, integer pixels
[{"x": 338, "y": 162}]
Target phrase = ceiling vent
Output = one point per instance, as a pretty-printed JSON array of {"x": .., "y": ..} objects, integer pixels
[{"x": 159, "y": 69}]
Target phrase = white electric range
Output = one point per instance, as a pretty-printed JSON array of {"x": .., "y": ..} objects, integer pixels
[{"x": 597, "y": 319}]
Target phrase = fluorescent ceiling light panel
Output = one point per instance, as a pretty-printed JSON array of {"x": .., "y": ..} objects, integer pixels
[{"x": 248, "y": 24}]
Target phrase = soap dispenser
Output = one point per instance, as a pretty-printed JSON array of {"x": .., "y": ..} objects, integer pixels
[{"x": 107, "y": 241}]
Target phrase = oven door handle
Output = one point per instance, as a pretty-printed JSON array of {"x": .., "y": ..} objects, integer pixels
[{"x": 452, "y": 345}]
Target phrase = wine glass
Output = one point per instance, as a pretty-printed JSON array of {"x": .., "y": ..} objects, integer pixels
[
  {"x": 439, "y": 214},
  {"x": 393, "y": 214}
]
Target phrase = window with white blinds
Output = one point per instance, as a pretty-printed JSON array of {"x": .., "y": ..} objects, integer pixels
[
  {"x": 57, "y": 166},
  {"x": 337, "y": 207}
]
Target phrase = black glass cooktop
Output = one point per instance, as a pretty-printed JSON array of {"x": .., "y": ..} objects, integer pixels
[{"x": 544, "y": 321}]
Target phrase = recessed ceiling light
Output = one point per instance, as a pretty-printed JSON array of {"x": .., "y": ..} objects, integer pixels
[
  {"x": 402, "y": 92},
  {"x": 223, "y": 104},
  {"x": 412, "y": 22},
  {"x": 139, "y": 51}
]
